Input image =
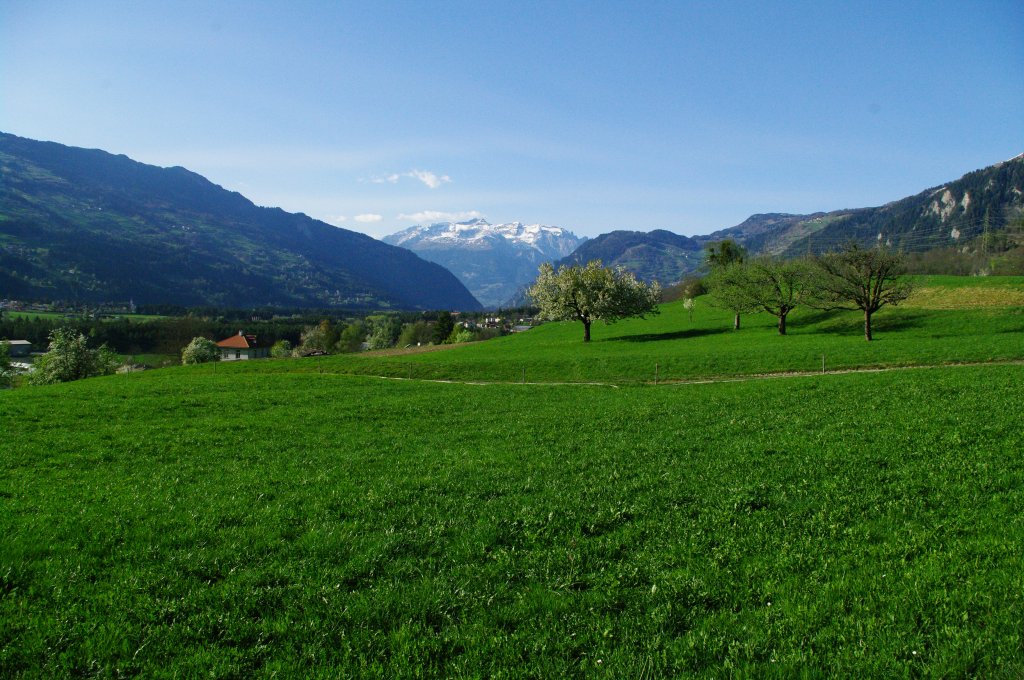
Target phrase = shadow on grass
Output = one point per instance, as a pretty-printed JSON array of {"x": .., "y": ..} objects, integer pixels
[
  {"x": 813, "y": 318},
  {"x": 827, "y": 322},
  {"x": 673, "y": 335},
  {"x": 852, "y": 323}
]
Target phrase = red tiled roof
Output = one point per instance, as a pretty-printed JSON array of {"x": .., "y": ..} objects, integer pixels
[{"x": 239, "y": 341}]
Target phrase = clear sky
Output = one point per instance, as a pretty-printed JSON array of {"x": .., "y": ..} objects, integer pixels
[{"x": 593, "y": 116}]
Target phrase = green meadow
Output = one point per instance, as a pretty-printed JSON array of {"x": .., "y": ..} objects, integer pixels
[
  {"x": 306, "y": 518},
  {"x": 679, "y": 348}
]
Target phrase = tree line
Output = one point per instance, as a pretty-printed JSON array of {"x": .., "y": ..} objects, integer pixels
[
  {"x": 314, "y": 330},
  {"x": 852, "y": 278}
]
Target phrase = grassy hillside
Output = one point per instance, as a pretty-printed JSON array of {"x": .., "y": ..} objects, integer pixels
[
  {"x": 266, "y": 518},
  {"x": 628, "y": 351},
  {"x": 960, "y": 292}
]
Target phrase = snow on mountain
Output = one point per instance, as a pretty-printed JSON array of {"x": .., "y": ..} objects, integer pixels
[
  {"x": 552, "y": 242},
  {"x": 492, "y": 260}
]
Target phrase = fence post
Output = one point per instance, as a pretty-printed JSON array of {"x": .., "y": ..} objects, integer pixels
[
  {"x": 822, "y": 363},
  {"x": 656, "y": 373},
  {"x": 524, "y": 375}
]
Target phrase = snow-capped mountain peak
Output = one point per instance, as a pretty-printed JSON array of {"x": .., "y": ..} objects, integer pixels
[
  {"x": 551, "y": 241},
  {"x": 492, "y": 260}
]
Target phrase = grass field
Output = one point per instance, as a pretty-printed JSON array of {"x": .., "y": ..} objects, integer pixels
[
  {"x": 964, "y": 292},
  {"x": 32, "y": 315},
  {"x": 266, "y": 518},
  {"x": 62, "y": 315},
  {"x": 680, "y": 349},
  {"x": 155, "y": 360}
]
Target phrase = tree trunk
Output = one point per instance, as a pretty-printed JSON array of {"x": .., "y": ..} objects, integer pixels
[
  {"x": 736, "y": 323},
  {"x": 586, "y": 331},
  {"x": 782, "y": 324},
  {"x": 867, "y": 325}
]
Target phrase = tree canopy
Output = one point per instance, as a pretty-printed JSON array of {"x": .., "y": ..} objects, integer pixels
[
  {"x": 200, "y": 351},
  {"x": 592, "y": 292},
  {"x": 69, "y": 357},
  {"x": 764, "y": 284},
  {"x": 724, "y": 260},
  {"x": 443, "y": 327},
  {"x": 6, "y": 372},
  {"x": 862, "y": 278},
  {"x": 727, "y": 285},
  {"x": 723, "y": 253}
]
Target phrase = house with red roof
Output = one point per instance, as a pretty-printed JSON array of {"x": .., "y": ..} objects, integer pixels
[{"x": 242, "y": 346}]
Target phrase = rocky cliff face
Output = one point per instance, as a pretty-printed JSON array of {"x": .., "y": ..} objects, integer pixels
[{"x": 949, "y": 215}]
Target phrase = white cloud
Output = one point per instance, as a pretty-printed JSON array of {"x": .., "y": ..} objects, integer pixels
[
  {"x": 368, "y": 217},
  {"x": 440, "y": 216},
  {"x": 430, "y": 179}
]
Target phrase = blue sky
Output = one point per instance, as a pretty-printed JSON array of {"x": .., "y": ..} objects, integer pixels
[{"x": 592, "y": 116}]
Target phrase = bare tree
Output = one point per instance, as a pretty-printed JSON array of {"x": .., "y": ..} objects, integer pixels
[{"x": 861, "y": 278}]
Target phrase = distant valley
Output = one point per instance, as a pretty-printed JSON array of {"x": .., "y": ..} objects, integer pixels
[{"x": 492, "y": 260}]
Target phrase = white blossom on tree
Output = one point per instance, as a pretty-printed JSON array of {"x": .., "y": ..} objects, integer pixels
[
  {"x": 200, "y": 351},
  {"x": 68, "y": 357},
  {"x": 592, "y": 292},
  {"x": 6, "y": 372}
]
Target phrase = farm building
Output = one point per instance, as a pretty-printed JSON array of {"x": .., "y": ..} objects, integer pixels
[
  {"x": 18, "y": 348},
  {"x": 240, "y": 347}
]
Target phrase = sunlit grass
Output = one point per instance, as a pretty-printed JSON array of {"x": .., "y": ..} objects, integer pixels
[
  {"x": 680, "y": 348},
  {"x": 289, "y": 517},
  {"x": 963, "y": 292},
  {"x": 187, "y": 523}
]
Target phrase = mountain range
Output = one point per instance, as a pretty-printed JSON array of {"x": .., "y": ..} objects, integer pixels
[
  {"x": 657, "y": 255},
  {"x": 85, "y": 225},
  {"x": 492, "y": 260},
  {"x": 88, "y": 226},
  {"x": 947, "y": 215}
]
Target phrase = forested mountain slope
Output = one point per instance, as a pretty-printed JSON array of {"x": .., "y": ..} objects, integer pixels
[{"x": 86, "y": 225}]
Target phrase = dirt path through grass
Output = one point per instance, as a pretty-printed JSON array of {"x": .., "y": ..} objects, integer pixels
[{"x": 710, "y": 380}]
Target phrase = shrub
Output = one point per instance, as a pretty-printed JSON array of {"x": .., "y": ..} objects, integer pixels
[
  {"x": 68, "y": 357},
  {"x": 200, "y": 351},
  {"x": 281, "y": 349}
]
